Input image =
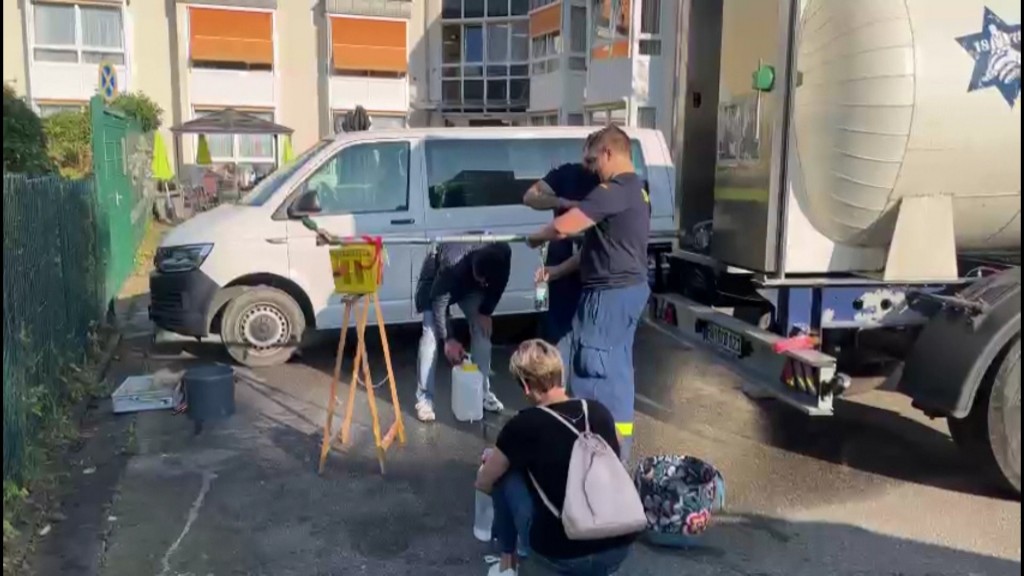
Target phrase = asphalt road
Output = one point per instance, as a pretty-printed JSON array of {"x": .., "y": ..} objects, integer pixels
[{"x": 875, "y": 491}]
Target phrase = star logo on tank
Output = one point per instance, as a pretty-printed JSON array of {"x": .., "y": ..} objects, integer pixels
[{"x": 996, "y": 52}]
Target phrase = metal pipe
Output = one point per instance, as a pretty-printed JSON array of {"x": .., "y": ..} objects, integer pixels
[{"x": 326, "y": 238}]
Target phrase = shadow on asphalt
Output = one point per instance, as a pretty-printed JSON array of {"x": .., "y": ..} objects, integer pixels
[
  {"x": 673, "y": 388},
  {"x": 670, "y": 379},
  {"x": 763, "y": 546},
  {"x": 244, "y": 498}
]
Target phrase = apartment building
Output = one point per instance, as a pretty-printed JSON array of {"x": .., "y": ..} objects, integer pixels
[{"x": 305, "y": 63}]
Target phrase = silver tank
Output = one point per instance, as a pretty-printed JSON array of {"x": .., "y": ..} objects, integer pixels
[{"x": 902, "y": 98}]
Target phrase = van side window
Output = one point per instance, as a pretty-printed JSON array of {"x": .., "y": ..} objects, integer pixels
[
  {"x": 483, "y": 173},
  {"x": 488, "y": 173},
  {"x": 364, "y": 178}
]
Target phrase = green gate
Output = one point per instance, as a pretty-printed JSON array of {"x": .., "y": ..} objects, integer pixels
[{"x": 120, "y": 155}]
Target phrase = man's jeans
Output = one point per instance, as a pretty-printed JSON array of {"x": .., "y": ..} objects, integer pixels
[
  {"x": 513, "y": 516},
  {"x": 429, "y": 345}
]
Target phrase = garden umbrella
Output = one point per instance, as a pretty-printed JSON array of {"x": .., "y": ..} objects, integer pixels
[
  {"x": 203, "y": 153},
  {"x": 162, "y": 170}
]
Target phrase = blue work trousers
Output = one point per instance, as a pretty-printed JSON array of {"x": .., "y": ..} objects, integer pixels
[{"x": 604, "y": 331}]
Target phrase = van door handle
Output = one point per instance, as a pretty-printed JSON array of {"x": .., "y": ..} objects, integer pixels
[
  {"x": 476, "y": 233},
  {"x": 277, "y": 241},
  {"x": 403, "y": 222}
]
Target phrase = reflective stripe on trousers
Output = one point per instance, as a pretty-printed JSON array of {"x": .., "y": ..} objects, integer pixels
[{"x": 604, "y": 331}]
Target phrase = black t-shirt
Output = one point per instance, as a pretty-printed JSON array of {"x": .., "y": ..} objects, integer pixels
[
  {"x": 568, "y": 182},
  {"x": 536, "y": 443},
  {"x": 615, "y": 250}
]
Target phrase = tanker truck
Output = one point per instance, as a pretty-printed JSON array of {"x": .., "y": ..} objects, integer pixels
[{"x": 849, "y": 200}]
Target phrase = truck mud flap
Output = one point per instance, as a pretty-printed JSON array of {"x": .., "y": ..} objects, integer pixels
[{"x": 803, "y": 379}]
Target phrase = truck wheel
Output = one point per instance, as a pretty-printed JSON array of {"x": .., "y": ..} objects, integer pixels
[
  {"x": 263, "y": 327},
  {"x": 1004, "y": 419}
]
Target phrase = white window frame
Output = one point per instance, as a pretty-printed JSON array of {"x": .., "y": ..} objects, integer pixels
[
  {"x": 236, "y": 157},
  {"x": 546, "y": 53},
  {"x": 78, "y": 48},
  {"x": 605, "y": 115},
  {"x": 456, "y": 72}
]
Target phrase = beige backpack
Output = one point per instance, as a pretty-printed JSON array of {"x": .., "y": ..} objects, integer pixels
[{"x": 601, "y": 500}]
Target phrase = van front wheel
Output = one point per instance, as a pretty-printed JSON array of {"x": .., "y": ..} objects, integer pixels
[{"x": 263, "y": 327}]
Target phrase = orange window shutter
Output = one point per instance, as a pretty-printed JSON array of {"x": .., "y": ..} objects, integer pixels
[
  {"x": 231, "y": 36},
  {"x": 369, "y": 45},
  {"x": 613, "y": 51},
  {"x": 546, "y": 21}
]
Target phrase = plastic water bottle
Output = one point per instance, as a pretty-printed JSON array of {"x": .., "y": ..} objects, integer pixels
[
  {"x": 484, "y": 520},
  {"x": 468, "y": 392},
  {"x": 540, "y": 297}
]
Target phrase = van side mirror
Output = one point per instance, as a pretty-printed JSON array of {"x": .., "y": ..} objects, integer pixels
[{"x": 307, "y": 204}]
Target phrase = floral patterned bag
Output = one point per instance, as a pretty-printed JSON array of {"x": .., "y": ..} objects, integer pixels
[{"x": 680, "y": 494}]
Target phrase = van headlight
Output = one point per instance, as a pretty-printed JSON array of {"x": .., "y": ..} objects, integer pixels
[{"x": 175, "y": 259}]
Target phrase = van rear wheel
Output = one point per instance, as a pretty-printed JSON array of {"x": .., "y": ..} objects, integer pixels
[{"x": 263, "y": 327}]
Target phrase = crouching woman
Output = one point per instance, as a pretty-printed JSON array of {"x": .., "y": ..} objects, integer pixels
[{"x": 533, "y": 451}]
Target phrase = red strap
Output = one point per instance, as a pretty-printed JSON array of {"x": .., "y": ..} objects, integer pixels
[
  {"x": 378, "y": 256},
  {"x": 795, "y": 344}
]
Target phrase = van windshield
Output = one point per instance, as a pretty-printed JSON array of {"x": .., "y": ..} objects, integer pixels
[{"x": 266, "y": 189}]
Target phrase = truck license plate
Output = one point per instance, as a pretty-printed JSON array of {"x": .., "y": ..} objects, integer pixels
[{"x": 724, "y": 339}]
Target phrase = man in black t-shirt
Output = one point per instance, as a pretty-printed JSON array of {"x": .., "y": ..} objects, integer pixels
[
  {"x": 615, "y": 219},
  {"x": 561, "y": 190},
  {"x": 536, "y": 447}
]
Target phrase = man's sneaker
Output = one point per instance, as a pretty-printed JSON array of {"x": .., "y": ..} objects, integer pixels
[
  {"x": 425, "y": 412},
  {"x": 492, "y": 404},
  {"x": 497, "y": 571}
]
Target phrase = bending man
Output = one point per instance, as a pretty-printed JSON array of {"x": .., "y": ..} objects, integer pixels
[
  {"x": 615, "y": 219},
  {"x": 474, "y": 278}
]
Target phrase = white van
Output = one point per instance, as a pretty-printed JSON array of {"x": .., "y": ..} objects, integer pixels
[{"x": 253, "y": 274}]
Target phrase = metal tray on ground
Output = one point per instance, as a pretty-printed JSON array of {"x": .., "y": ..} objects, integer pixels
[{"x": 147, "y": 393}]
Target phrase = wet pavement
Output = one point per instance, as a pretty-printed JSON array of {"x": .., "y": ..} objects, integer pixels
[{"x": 875, "y": 491}]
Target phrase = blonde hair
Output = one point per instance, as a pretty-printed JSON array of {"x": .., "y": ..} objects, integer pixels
[{"x": 539, "y": 365}]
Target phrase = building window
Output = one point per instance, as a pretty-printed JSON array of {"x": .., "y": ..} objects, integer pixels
[
  {"x": 544, "y": 120},
  {"x": 650, "y": 28},
  {"x": 241, "y": 149},
  {"x": 547, "y": 50},
  {"x": 486, "y": 62},
  {"x": 78, "y": 34},
  {"x": 377, "y": 121},
  {"x": 607, "y": 116},
  {"x": 47, "y": 110},
  {"x": 611, "y": 29},
  {"x": 364, "y": 179},
  {"x": 647, "y": 117},
  {"x": 578, "y": 38},
  {"x": 485, "y": 173},
  {"x": 577, "y": 120},
  {"x": 369, "y": 47},
  {"x": 468, "y": 9},
  {"x": 231, "y": 39}
]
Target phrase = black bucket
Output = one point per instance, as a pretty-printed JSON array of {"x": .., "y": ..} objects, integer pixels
[{"x": 210, "y": 393}]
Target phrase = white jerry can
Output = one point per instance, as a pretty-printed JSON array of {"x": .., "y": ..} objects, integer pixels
[{"x": 468, "y": 392}]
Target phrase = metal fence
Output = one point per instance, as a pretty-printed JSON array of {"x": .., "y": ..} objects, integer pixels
[
  {"x": 54, "y": 297},
  {"x": 68, "y": 249}
]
